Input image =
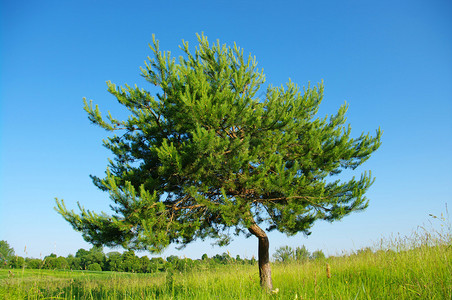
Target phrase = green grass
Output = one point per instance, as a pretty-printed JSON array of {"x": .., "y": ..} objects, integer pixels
[{"x": 415, "y": 267}]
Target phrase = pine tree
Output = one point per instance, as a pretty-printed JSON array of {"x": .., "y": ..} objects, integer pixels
[{"x": 212, "y": 152}]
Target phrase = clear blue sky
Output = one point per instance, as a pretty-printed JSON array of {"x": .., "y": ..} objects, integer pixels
[{"x": 390, "y": 60}]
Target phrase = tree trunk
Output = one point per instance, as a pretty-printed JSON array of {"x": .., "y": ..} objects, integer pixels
[{"x": 265, "y": 273}]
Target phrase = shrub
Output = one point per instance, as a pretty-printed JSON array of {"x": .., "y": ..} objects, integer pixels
[
  {"x": 284, "y": 254},
  {"x": 94, "y": 267},
  {"x": 301, "y": 253},
  {"x": 318, "y": 254}
]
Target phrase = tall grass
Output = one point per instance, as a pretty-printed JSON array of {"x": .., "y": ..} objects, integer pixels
[{"x": 414, "y": 267}]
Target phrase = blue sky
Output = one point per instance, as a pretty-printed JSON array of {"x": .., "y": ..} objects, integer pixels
[{"x": 390, "y": 60}]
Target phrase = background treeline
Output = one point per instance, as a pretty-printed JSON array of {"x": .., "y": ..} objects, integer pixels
[{"x": 96, "y": 260}]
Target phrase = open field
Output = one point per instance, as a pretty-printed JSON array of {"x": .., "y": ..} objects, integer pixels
[
  {"x": 402, "y": 271},
  {"x": 418, "y": 266}
]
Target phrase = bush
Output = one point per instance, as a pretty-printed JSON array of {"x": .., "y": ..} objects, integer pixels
[
  {"x": 318, "y": 255},
  {"x": 94, "y": 267},
  {"x": 301, "y": 254},
  {"x": 33, "y": 263},
  {"x": 184, "y": 265},
  {"x": 17, "y": 262},
  {"x": 287, "y": 254},
  {"x": 284, "y": 254}
]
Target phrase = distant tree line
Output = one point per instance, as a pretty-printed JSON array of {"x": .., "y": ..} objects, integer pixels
[
  {"x": 96, "y": 260},
  {"x": 286, "y": 254}
]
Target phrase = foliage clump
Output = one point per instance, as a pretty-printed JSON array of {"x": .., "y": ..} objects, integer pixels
[
  {"x": 208, "y": 153},
  {"x": 286, "y": 254}
]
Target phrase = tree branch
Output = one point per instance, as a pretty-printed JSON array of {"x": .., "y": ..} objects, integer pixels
[{"x": 305, "y": 198}]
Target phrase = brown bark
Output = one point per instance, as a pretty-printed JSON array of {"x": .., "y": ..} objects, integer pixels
[{"x": 265, "y": 273}]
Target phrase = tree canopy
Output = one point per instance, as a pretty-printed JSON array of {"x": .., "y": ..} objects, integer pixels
[
  {"x": 214, "y": 153},
  {"x": 6, "y": 252}
]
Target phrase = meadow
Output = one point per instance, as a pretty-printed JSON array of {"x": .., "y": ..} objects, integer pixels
[{"x": 414, "y": 267}]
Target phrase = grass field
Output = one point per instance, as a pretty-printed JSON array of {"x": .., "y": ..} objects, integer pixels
[{"x": 415, "y": 267}]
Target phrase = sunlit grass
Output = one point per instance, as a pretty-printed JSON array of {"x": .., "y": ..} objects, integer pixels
[{"x": 414, "y": 267}]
